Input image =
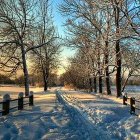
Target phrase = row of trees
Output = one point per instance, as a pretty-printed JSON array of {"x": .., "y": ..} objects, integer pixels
[
  {"x": 107, "y": 36},
  {"x": 28, "y": 36},
  {"x": 5, "y": 80},
  {"x": 34, "y": 80}
]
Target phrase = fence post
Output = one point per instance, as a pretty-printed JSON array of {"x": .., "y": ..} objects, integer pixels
[
  {"x": 6, "y": 104},
  {"x": 20, "y": 101},
  {"x": 31, "y": 98},
  {"x": 124, "y": 100},
  {"x": 132, "y": 103}
]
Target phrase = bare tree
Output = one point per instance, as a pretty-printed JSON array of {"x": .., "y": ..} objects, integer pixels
[
  {"x": 18, "y": 22},
  {"x": 15, "y": 24},
  {"x": 112, "y": 22},
  {"x": 46, "y": 58},
  {"x": 131, "y": 63}
]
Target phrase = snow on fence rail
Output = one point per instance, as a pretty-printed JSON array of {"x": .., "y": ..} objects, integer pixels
[
  {"x": 133, "y": 103},
  {"x": 7, "y": 100}
]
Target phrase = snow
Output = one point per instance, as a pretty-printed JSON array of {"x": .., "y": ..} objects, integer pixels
[
  {"x": 48, "y": 119},
  {"x": 130, "y": 90},
  {"x": 14, "y": 90},
  {"x": 71, "y": 115},
  {"x": 108, "y": 115}
]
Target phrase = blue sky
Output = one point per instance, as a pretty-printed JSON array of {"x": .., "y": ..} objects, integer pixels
[{"x": 59, "y": 21}]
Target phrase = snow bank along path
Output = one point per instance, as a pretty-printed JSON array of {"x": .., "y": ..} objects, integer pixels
[
  {"x": 47, "y": 120},
  {"x": 112, "y": 119},
  {"x": 76, "y": 114}
]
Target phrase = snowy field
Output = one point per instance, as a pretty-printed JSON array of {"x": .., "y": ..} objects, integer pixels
[
  {"x": 47, "y": 120},
  {"x": 108, "y": 115},
  {"x": 130, "y": 90},
  {"x": 75, "y": 116},
  {"x": 14, "y": 90}
]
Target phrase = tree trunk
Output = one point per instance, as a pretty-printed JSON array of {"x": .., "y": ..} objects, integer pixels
[
  {"x": 99, "y": 71},
  {"x": 45, "y": 84},
  {"x": 45, "y": 77},
  {"x": 100, "y": 84},
  {"x": 100, "y": 77},
  {"x": 95, "y": 85},
  {"x": 118, "y": 61},
  {"x": 124, "y": 85},
  {"x": 118, "y": 74},
  {"x": 90, "y": 84},
  {"x": 25, "y": 71},
  {"x": 108, "y": 89},
  {"x": 118, "y": 53}
]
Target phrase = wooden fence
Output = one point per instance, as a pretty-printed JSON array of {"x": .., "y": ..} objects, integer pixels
[
  {"x": 133, "y": 103},
  {"x": 7, "y": 102}
]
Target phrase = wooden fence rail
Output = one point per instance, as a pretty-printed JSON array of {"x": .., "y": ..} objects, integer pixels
[
  {"x": 132, "y": 103},
  {"x": 7, "y": 100}
]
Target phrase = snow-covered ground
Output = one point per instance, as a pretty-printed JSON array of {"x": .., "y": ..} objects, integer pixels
[
  {"x": 131, "y": 90},
  {"x": 75, "y": 116},
  {"x": 13, "y": 90},
  {"x": 47, "y": 120},
  {"x": 109, "y": 116}
]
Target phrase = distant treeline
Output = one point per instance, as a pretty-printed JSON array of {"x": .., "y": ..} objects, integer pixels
[
  {"x": 34, "y": 80},
  {"x": 6, "y": 80}
]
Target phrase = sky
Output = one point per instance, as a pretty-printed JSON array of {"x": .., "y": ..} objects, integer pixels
[{"x": 59, "y": 21}]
